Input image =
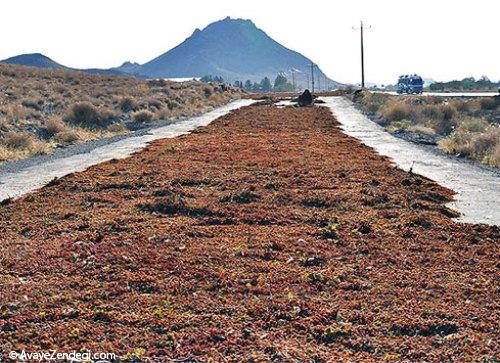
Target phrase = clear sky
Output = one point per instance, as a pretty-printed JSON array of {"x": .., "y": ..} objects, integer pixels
[{"x": 439, "y": 39}]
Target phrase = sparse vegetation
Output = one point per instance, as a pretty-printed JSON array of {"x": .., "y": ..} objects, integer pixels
[
  {"x": 143, "y": 116},
  {"x": 54, "y": 126},
  {"x": 128, "y": 104},
  {"x": 16, "y": 145},
  {"x": 395, "y": 111},
  {"x": 476, "y": 140},
  {"x": 466, "y": 84},
  {"x": 51, "y": 107},
  {"x": 85, "y": 113},
  {"x": 467, "y": 127}
]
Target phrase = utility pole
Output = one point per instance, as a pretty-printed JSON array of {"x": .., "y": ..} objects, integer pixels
[
  {"x": 293, "y": 78},
  {"x": 362, "y": 59},
  {"x": 362, "y": 54},
  {"x": 312, "y": 76}
]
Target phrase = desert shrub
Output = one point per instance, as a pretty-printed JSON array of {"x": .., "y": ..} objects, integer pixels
[
  {"x": 17, "y": 112},
  {"x": 157, "y": 83},
  {"x": 105, "y": 115},
  {"x": 22, "y": 144},
  {"x": 472, "y": 124},
  {"x": 117, "y": 128},
  {"x": 4, "y": 125},
  {"x": 398, "y": 125},
  {"x": 421, "y": 129},
  {"x": 172, "y": 105},
  {"x": 395, "y": 111},
  {"x": 444, "y": 126},
  {"x": 87, "y": 104},
  {"x": 69, "y": 136},
  {"x": 207, "y": 91},
  {"x": 432, "y": 112},
  {"x": 473, "y": 105},
  {"x": 448, "y": 111},
  {"x": 6, "y": 153},
  {"x": 493, "y": 158},
  {"x": 18, "y": 140},
  {"x": 154, "y": 103},
  {"x": 487, "y": 103},
  {"x": 484, "y": 143},
  {"x": 84, "y": 113},
  {"x": 481, "y": 146},
  {"x": 432, "y": 100},
  {"x": 216, "y": 99},
  {"x": 447, "y": 123},
  {"x": 34, "y": 104},
  {"x": 128, "y": 104},
  {"x": 462, "y": 106},
  {"x": 143, "y": 116},
  {"x": 372, "y": 101},
  {"x": 54, "y": 125},
  {"x": 163, "y": 114}
]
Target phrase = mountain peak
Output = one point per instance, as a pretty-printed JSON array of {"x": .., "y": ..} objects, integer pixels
[
  {"x": 229, "y": 22},
  {"x": 235, "y": 49}
]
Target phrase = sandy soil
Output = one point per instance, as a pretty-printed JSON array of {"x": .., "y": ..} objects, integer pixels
[{"x": 266, "y": 236}]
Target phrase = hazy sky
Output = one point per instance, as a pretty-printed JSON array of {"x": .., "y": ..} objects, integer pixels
[{"x": 439, "y": 39}]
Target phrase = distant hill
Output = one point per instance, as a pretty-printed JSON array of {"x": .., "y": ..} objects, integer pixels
[
  {"x": 128, "y": 67},
  {"x": 33, "y": 60},
  {"x": 41, "y": 61},
  {"x": 232, "y": 48}
]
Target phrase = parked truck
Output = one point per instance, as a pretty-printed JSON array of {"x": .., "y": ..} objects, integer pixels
[{"x": 410, "y": 84}]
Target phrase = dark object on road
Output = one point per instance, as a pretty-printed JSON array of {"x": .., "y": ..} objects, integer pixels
[{"x": 305, "y": 99}]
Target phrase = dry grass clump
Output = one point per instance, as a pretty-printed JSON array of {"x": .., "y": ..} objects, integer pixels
[
  {"x": 117, "y": 129},
  {"x": 65, "y": 134},
  {"x": 143, "y": 116},
  {"x": 487, "y": 103},
  {"x": 472, "y": 124},
  {"x": 92, "y": 105},
  {"x": 7, "y": 153},
  {"x": 32, "y": 103},
  {"x": 55, "y": 125},
  {"x": 396, "y": 111},
  {"x": 466, "y": 105},
  {"x": 475, "y": 139},
  {"x": 86, "y": 114},
  {"x": 17, "y": 145},
  {"x": 68, "y": 136},
  {"x": 445, "y": 124},
  {"x": 128, "y": 104},
  {"x": 17, "y": 140}
]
